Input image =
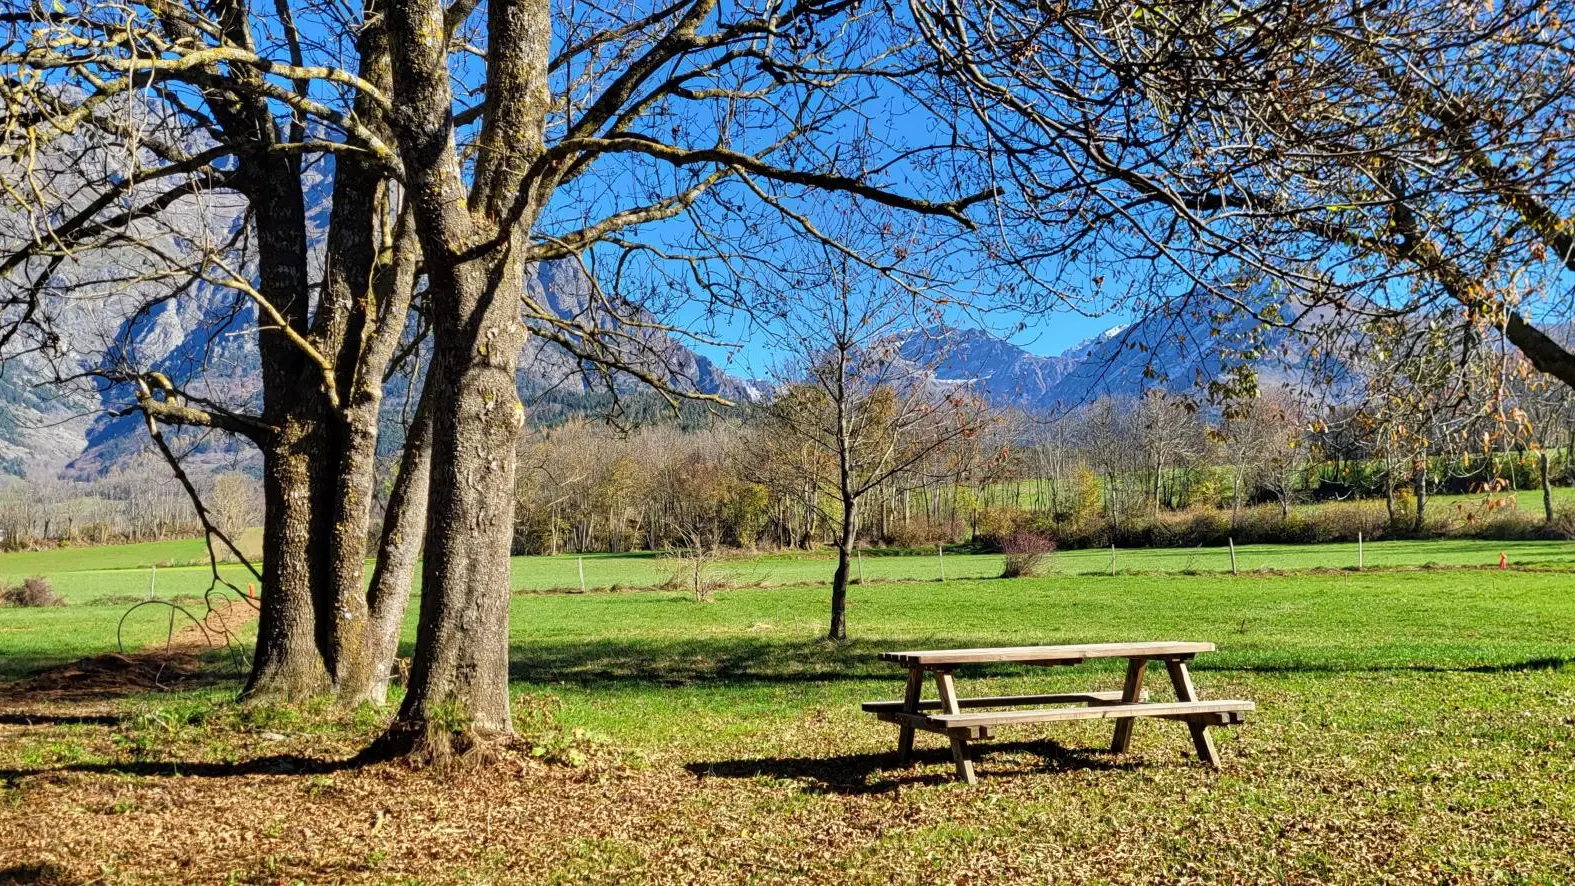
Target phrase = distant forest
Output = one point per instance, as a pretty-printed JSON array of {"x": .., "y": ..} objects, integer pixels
[{"x": 1148, "y": 471}]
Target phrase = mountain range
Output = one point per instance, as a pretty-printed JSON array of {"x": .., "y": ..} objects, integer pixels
[
  {"x": 1185, "y": 349},
  {"x": 206, "y": 347}
]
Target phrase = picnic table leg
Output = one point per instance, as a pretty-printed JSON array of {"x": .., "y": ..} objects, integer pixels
[
  {"x": 1181, "y": 678},
  {"x": 1131, "y": 693},
  {"x": 948, "y": 693},
  {"x": 910, "y": 705}
]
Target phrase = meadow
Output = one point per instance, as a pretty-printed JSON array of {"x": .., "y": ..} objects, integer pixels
[
  {"x": 1413, "y": 725},
  {"x": 101, "y": 584}
]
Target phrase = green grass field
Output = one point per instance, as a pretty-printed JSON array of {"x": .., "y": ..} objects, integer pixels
[
  {"x": 1413, "y": 726},
  {"x": 101, "y": 584},
  {"x": 130, "y": 571}
]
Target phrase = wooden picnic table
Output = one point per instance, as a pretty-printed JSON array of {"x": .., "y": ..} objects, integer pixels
[{"x": 911, "y": 713}]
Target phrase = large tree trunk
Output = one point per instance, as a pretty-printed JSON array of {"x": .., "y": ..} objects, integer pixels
[
  {"x": 846, "y": 538},
  {"x": 404, "y": 524},
  {"x": 366, "y": 620},
  {"x": 458, "y": 694},
  {"x": 289, "y": 660},
  {"x": 354, "y": 476},
  {"x": 362, "y": 648},
  {"x": 288, "y": 663},
  {"x": 362, "y": 313},
  {"x": 459, "y": 689}
]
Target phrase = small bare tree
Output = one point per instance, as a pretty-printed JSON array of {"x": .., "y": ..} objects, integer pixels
[
  {"x": 233, "y": 502},
  {"x": 697, "y": 491},
  {"x": 852, "y": 396}
]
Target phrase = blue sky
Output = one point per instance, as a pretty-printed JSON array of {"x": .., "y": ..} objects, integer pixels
[{"x": 1046, "y": 334}]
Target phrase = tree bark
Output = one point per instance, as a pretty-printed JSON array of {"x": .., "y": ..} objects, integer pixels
[
  {"x": 291, "y": 640},
  {"x": 1547, "y": 486},
  {"x": 470, "y": 237},
  {"x": 288, "y": 664},
  {"x": 389, "y": 596},
  {"x": 846, "y": 538},
  {"x": 459, "y": 682}
]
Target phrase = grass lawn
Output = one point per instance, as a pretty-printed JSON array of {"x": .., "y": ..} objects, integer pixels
[
  {"x": 101, "y": 584},
  {"x": 1412, "y": 726},
  {"x": 179, "y": 568}
]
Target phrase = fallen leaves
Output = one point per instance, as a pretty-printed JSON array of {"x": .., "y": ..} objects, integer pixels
[{"x": 827, "y": 803}]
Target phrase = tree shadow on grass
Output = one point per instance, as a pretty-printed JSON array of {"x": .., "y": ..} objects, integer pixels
[
  {"x": 13, "y": 719},
  {"x": 40, "y": 873},
  {"x": 110, "y": 676},
  {"x": 1547, "y": 663},
  {"x": 878, "y": 773},
  {"x": 742, "y": 661},
  {"x": 273, "y": 764},
  {"x": 1541, "y": 663},
  {"x": 730, "y": 661}
]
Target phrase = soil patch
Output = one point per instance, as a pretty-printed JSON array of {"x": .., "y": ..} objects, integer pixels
[{"x": 160, "y": 666}]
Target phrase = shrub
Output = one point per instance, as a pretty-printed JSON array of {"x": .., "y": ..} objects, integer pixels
[
  {"x": 695, "y": 573},
  {"x": 994, "y": 525},
  {"x": 1507, "y": 526},
  {"x": 920, "y": 532},
  {"x": 1563, "y": 525},
  {"x": 1210, "y": 527},
  {"x": 33, "y": 592},
  {"x": 1025, "y": 554}
]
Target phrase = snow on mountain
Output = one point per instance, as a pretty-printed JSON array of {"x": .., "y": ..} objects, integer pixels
[{"x": 1181, "y": 350}]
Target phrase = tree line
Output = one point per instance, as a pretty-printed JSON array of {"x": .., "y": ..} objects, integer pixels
[{"x": 1137, "y": 470}]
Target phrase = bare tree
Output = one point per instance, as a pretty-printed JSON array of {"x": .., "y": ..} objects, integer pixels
[
  {"x": 852, "y": 396},
  {"x": 1170, "y": 434},
  {"x": 233, "y": 501},
  {"x": 696, "y": 517},
  {"x": 1107, "y": 429},
  {"x": 200, "y": 156},
  {"x": 1284, "y": 453}
]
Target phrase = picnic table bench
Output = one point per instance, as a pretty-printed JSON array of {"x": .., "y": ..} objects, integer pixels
[{"x": 913, "y": 712}]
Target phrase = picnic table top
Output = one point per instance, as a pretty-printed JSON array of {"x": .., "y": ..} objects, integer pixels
[{"x": 1073, "y": 653}]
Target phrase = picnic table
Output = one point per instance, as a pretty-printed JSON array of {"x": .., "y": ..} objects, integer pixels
[{"x": 912, "y": 712}]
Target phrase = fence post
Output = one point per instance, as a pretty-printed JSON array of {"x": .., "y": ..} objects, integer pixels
[
  {"x": 940, "y": 557},
  {"x": 582, "y": 574},
  {"x": 860, "y": 553},
  {"x": 1232, "y": 543},
  {"x": 1112, "y": 558},
  {"x": 153, "y": 578},
  {"x": 1358, "y": 549}
]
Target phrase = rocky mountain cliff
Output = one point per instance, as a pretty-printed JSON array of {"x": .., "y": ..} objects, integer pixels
[
  {"x": 1182, "y": 350},
  {"x": 204, "y": 342}
]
